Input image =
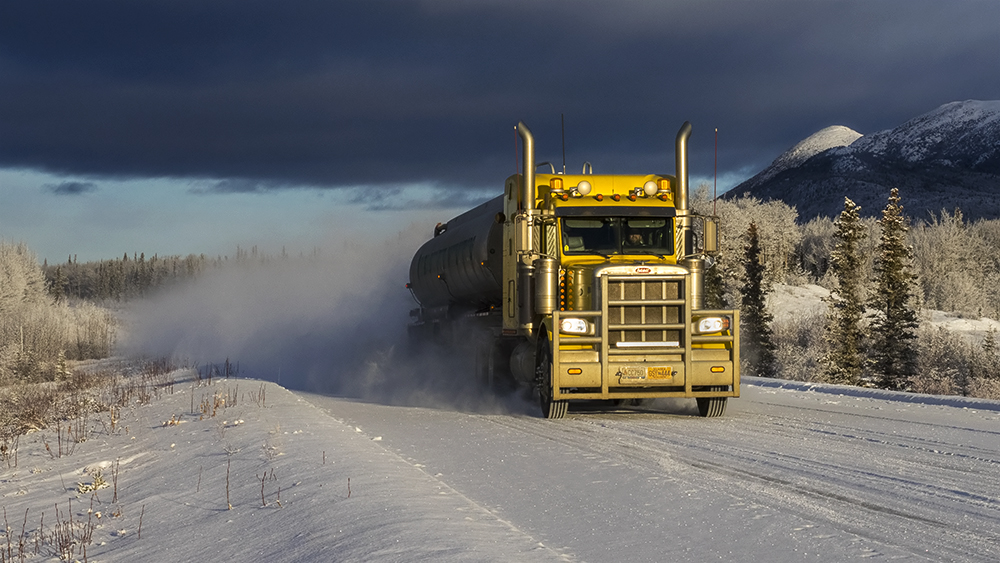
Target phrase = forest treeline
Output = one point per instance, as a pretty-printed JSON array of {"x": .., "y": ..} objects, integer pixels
[
  {"x": 947, "y": 264},
  {"x": 51, "y": 314},
  {"x": 956, "y": 262},
  {"x": 126, "y": 278}
]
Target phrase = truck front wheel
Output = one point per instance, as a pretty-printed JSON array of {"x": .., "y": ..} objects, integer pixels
[
  {"x": 712, "y": 406},
  {"x": 543, "y": 376}
]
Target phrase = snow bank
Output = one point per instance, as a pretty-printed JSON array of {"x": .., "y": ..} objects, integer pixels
[
  {"x": 330, "y": 491},
  {"x": 870, "y": 393}
]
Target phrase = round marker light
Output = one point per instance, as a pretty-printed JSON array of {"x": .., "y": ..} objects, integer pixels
[
  {"x": 650, "y": 188},
  {"x": 583, "y": 188}
]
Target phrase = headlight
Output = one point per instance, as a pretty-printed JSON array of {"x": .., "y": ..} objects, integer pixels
[
  {"x": 706, "y": 325},
  {"x": 574, "y": 326}
]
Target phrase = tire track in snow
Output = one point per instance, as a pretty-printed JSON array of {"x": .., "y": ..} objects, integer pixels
[{"x": 843, "y": 475}]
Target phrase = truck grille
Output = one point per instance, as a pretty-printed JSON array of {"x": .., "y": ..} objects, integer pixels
[{"x": 645, "y": 309}]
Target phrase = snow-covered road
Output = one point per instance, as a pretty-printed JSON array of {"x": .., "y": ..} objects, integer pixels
[{"x": 792, "y": 472}]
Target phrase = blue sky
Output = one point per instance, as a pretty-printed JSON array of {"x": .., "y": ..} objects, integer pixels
[{"x": 183, "y": 126}]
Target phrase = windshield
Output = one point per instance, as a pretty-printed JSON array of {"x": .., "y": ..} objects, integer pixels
[{"x": 618, "y": 235}]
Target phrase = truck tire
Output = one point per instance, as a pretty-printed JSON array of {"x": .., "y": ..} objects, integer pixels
[
  {"x": 710, "y": 407},
  {"x": 493, "y": 367},
  {"x": 543, "y": 374}
]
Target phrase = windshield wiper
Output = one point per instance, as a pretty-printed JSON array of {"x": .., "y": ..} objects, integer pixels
[{"x": 657, "y": 254}]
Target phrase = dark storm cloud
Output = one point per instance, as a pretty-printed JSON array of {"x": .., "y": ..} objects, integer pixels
[
  {"x": 71, "y": 188},
  {"x": 264, "y": 95}
]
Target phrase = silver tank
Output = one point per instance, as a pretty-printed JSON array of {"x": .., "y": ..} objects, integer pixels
[{"x": 463, "y": 264}]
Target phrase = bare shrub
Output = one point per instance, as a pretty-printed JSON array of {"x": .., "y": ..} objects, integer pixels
[
  {"x": 936, "y": 382},
  {"x": 797, "y": 340},
  {"x": 778, "y": 234},
  {"x": 985, "y": 388},
  {"x": 949, "y": 262}
]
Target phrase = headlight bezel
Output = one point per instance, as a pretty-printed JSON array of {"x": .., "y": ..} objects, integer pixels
[
  {"x": 711, "y": 324},
  {"x": 573, "y": 326}
]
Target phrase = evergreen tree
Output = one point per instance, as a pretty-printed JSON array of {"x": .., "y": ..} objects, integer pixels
[
  {"x": 844, "y": 336},
  {"x": 895, "y": 320},
  {"x": 715, "y": 287},
  {"x": 756, "y": 336},
  {"x": 57, "y": 287},
  {"x": 990, "y": 342},
  {"x": 986, "y": 362}
]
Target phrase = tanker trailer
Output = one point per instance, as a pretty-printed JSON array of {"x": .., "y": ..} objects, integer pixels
[{"x": 584, "y": 287}]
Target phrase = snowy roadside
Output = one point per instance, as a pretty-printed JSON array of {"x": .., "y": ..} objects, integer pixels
[
  {"x": 305, "y": 485},
  {"x": 302, "y": 485},
  {"x": 872, "y": 393}
]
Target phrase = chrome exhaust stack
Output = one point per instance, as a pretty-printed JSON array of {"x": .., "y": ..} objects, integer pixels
[
  {"x": 525, "y": 223},
  {"x": 528, "y": 165},
  {"x": 694, "y": 262},
  {"x": 681, "y": 165}
]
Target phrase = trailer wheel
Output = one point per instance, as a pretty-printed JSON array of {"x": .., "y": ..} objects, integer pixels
[
  {"x": 711, "y": 407},
  {"x": 493, "y": 367},
  {"x": 543, "y": 375}
]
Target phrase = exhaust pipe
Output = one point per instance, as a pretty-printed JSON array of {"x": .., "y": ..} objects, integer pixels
[
  {"x": 526, "y": 205},
  {"x": 681, "y": 165},
  {"x": 695, "y": 264},
  {"x": 528, "y": 165}
]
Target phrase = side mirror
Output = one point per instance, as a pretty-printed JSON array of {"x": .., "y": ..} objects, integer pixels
[{"x": 711, "y": 236}]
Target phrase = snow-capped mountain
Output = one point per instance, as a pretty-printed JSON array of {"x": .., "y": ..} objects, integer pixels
[
  {"x": 945, "y": 159},
  {"x": 831, "y": 137}
]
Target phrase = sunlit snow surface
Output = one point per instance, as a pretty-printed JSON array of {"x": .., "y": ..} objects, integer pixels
[{"x": 793, "y": 472}]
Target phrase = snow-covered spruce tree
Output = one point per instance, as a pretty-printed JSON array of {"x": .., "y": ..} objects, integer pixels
[
  {"x": 986, "y": 360},
  {"x": 985, "y": 377},
  {"x": 715, "y": 289},
  {"x": 756, "y": 337},
  {"x": 844, "y": 336},
  {"x": 894, "y": 321}
]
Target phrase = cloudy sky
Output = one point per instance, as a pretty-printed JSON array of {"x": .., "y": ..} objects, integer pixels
[{"x": 191, "y": 126}]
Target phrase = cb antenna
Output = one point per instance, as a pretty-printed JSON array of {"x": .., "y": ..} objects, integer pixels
[
  {"x": 562, "y": 117},
  {"x": 715, "y": 187}
]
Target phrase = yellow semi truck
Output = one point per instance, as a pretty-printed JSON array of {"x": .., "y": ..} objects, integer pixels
[{"x": 583, "y": 286}]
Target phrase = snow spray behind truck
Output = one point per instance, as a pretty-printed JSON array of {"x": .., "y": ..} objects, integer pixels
[{"x": 584, "y": 286}]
